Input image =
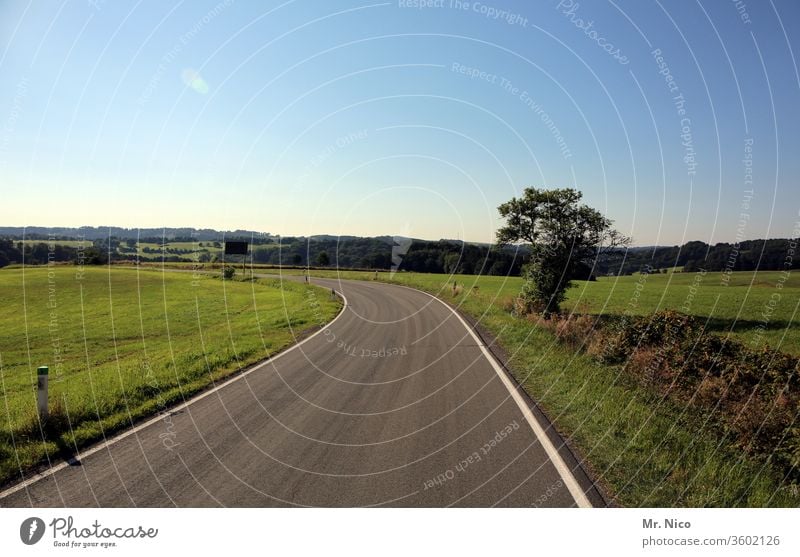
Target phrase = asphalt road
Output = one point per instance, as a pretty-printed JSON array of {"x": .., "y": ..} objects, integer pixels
[{"x": 395, "y": 403}]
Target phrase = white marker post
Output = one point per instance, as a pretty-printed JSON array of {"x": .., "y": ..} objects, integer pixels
[{"x": 43, "y": 373}]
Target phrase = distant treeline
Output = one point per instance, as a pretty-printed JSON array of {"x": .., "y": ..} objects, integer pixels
[
  {"x": 765, "y": 255},
  {"x": 385, "y": 252},
  {"x": 443, "y": 256}
]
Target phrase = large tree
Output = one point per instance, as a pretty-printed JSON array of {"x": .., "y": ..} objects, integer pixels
[{"x": 565, "y": 236}]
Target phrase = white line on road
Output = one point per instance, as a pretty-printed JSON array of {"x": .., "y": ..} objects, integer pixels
[{"x": 561, "y": 467}]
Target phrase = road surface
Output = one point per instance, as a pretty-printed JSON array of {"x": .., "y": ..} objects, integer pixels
[{"x": 395, "y": 403}]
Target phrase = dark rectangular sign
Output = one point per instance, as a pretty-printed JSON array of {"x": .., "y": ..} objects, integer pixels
[{"x": 235, "y": 248}]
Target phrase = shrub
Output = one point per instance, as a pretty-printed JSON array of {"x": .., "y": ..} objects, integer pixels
[
  {"x": 574, "y": 330},
  {"x": 753, "y": 396}
]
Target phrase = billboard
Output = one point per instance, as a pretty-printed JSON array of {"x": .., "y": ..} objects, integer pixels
[{"x": 236, "y": 248}]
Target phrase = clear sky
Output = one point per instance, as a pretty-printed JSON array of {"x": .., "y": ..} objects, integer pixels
[{"x": 677, "y": 119}]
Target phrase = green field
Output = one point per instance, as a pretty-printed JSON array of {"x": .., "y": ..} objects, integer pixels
[
  {"x": 196, "y": 249},
  {"x": 193, "y": 246},
  {"x": 122, "y": 344},
  {"x": 155, "y": 250},
  {"x": 647, "y": 450},
  {"x": 737, "y": 309},
  {"x": 67, "y": 243}
]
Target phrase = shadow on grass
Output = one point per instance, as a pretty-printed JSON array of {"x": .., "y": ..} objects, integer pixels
[{"x": 709, "y": 324}]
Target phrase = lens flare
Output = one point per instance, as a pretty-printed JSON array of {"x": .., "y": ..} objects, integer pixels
[{"x": 193, "y": 80}]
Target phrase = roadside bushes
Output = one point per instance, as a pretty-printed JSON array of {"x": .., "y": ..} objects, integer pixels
[
  {"x": 574, "y": 330},
  {"x": 750, "y": 396}
]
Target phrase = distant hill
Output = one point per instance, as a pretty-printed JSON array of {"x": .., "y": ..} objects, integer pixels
[
  {"x": 105, "y": 232},
  {"x": 382, "y": 252},
  {"x": 204, "y": 245}
]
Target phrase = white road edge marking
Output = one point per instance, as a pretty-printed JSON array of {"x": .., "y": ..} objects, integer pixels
[
  {"x": 561, "y": 467},
  {"x": 89, "y": 452}
]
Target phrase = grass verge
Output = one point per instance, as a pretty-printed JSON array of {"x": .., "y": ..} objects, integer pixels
[{"x": 125, "y": 344}]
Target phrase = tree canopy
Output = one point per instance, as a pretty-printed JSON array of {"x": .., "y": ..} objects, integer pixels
[{"x": 565, "y": 236}]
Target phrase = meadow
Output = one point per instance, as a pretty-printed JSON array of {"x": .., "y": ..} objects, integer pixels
[
  {"x": 756, "y": 308},
  {"x": 646, "y": 448},
  {"x": 67, "y": 243},
  {"x": 123, "y": 344},
  {"x": 152, "y": 251}
]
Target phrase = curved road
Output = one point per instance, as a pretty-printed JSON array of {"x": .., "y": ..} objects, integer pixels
[{"x": 395, "y": 403}]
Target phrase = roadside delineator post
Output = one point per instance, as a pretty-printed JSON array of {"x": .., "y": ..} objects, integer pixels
[{"x": 42, "y": 376}]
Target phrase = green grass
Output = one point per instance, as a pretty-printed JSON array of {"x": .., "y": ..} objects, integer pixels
[
  {"x": 736, "y": 309},
  {"x": 195, "y": 248},
  {"x": 647, "y": 450},
  {"x": 123, "y": 344}
]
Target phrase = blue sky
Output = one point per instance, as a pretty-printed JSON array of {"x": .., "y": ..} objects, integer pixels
[{"x": 369, "y": 118}]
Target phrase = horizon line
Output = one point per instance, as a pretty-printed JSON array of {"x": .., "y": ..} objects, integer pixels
[{"x": 270, "y": 234}]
